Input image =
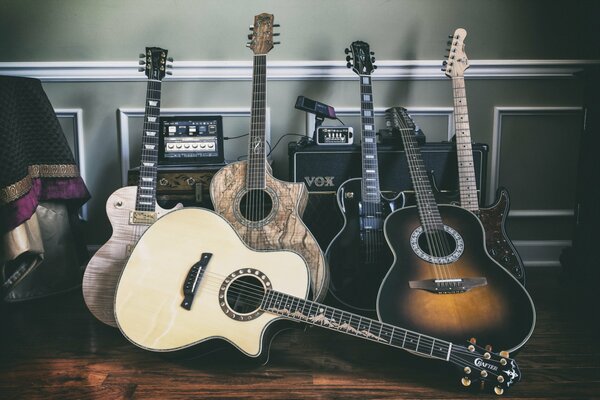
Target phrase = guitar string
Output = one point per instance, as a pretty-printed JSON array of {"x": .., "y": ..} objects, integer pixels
[
  {"x": 255, "y": 295},
  {"x": 416, "y": 167}
]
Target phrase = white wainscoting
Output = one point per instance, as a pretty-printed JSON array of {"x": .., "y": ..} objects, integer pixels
[
  {"x": 125, "y": 114},
  {"x": 75, "y": 118}
]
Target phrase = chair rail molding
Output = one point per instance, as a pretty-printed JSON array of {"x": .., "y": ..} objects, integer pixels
[{"x": 289, "y": 70}]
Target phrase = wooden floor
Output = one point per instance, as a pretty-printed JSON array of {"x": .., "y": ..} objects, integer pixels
[{"x": 55, "y": 349}]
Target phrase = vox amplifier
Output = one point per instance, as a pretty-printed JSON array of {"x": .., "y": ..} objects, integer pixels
[{"x": 324, "y": 168}]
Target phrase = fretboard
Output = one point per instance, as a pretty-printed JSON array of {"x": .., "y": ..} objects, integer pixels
[
  {"x": 146, "y": 191},
  {"x": 464, "y": 150},
  {"x": 355, "y": 325},
  {"x": 255, "y": 175},
  {"x": 426, "y": 204},
  {"x": 370, "y": 169}
]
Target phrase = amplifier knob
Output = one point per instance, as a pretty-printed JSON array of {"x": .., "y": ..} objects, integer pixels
[
  {"x": 195, "y": 145},
  {"x": 191, "y": 181},
  {"x": 163, "y": 182},
  {"x": 187, "y": 146},
  {"x": 178, "y": 146},
  {"x": 211, "y": 145},
  {"x": 202, "y": 145},
  {"x": 170, "y": 146}
]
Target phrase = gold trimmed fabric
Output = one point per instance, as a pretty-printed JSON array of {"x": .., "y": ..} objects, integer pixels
[{"x": 20, "y": 188}]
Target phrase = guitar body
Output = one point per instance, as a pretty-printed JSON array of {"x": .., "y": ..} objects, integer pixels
[
  {"x": 103, "y": 270},
  {"x": 493, "y": 219},
  {"x": 497, "y": 242},
  {"x": 150, "y": 290},
  {"x": 358, "y": 258},
  {"x": 498, "y": 311},
  {"x": 280, "y": 229}
]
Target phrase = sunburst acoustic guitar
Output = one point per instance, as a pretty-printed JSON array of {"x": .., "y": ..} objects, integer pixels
[
  {"x": 191, "y": 281},
  {"x": 443, "y": 282},
  {"x": 130, "y": 209},
  {"x": 265, "y": 211}
]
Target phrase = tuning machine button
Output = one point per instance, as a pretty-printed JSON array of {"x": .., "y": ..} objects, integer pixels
[
  {"x": 465, "y": 381},
  {"x": 498, "y": 390}
]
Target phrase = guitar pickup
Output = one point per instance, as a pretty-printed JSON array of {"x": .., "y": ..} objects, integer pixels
[
  {"x": 448, "y": 286},
  {"x": 190, "y": 286},
  {"x": 142, "y": 217}
]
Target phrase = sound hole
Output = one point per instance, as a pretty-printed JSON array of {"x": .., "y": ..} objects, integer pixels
[
  {"x": 256, "y": 205},
  {"x": 245, "y": 294},
  {"x": 437, "y": 243}
]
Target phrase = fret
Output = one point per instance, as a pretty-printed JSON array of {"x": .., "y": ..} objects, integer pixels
[{"x": 255, "y": 174}]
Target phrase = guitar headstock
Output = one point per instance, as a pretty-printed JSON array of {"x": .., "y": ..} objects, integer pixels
[
  {"x": 261, "y": 38},
  {"x": 360, "y": 58},
  {"x": 457, "y": 58},
  {"x": 398, "y": 118},
  {"x": 156, "y": 63},
  {"x": 483, "y": 366}
]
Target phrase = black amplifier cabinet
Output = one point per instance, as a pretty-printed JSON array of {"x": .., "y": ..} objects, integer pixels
[{"x": 324, "y": 169}]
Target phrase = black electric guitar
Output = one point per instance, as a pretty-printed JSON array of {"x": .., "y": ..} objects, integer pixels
[
  {"x": 443, "y": 282},
  {"x": 191, "y": 279},
  {"x": 493, "y": 218},
  {"x": 358, "y": 255}
]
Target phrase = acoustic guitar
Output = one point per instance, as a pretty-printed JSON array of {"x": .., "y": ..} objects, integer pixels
[
  {"x": 264, "y": 210},
  {"x": 130, "y": 209},
  {"x": 358, "y": 256},
  {"x": 443, "y": 282},
  {"x": 493, "y": 218},
  {"x": 191, "y": 280}
]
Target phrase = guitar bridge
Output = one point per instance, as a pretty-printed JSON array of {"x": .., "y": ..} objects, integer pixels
[
  {"x": 448, "y": 286},
  {"x": 142, "y": 217}
]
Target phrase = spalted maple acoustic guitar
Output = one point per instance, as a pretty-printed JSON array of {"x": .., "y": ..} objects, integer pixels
[
  {"x": 130, "y": 209},
  {"x": 358, "y": 256},
  {"x": 191, "y": 282},
  {"x": 266, "y": 211},
  {"x": 443, "y": 282}
]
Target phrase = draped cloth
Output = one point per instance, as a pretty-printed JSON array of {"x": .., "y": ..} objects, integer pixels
[{"x": 36, "y": 165}]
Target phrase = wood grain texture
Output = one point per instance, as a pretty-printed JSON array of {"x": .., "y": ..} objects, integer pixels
[
  {"x": 55, "y": 349},
  {"x": 103, "y": 269},
  {"x": 283, "y": 229},
  {"x": 150, "y": 290}
]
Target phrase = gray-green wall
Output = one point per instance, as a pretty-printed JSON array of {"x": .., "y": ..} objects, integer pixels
[{"x": 525, "y": 100}]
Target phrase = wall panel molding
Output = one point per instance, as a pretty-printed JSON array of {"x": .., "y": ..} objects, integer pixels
[
  {"x": 125, "y": 114},
  {"x": 75, "y": 116},
  {"x": 541, "y": 253},
  {"x": 93, "y": 71}
]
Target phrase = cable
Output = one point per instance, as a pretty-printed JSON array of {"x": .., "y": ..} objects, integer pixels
[
  {"x": 279, "y": 140},
  {"x": 340, "y": 121},
  {"x": 235, "y": 137}
]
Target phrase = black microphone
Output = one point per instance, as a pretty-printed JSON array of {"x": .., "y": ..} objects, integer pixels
[{"x": 314, "y": 107}]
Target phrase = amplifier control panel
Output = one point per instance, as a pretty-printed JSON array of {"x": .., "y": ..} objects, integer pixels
[
  {"x": 335, "y": 135},
  {"x": 191, "y": 140}
]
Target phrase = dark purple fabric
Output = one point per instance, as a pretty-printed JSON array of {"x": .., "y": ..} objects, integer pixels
[{"x": 15, "y": 213}]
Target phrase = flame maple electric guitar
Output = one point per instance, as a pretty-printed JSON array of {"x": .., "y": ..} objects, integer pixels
[
  {"x": 358, "y": 256},
  {"x": 443, "y": 282},
  {"x": 264, "y": 210},
  {"x": 130, "y": 209},
  {"x": 209, "y": 284},
  {"x": 493, "y": 218}
]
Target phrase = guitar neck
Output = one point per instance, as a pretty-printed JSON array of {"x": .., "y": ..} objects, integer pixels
[
  {"x": 335, "y": 319},
  {"x": 255, "y": 175},
  {"x": 370, "y": 169},
  {"x": 426, "y": 204},
  {"x": 146, "y": 193},
  {"x": 464, "y": 150}
]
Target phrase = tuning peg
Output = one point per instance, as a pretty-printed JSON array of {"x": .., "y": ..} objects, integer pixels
[
  {"x": 450, "y": 36},
  {"x": 248, "y": 44},
  {"x": 473, "y": 340},
  {"x": 251, "y": 27},
  {"x": 141, "y": 69},
  {"x": 444, "y": 62},
  {"x": 498, "y": 390},
  {"x": 488, "y": 347},
  {"x": 170, "y": 59},
  {"x": 142, "y": 62},
  {"x": 372, "y": 59},
  {"x": 276, "y": 25},
  {"x": 444, "y": 69},
  {"x": 348, "y": 65},
  {"x": 169, "y": 72},
  {"x": 372, "y": 53},
  {"x": 447, "y": 49},
  {"x": 504, "y": 354},
  {"x": 348, "y": 58},
  {"x": 169, "y": 66},
  {"x": 374, "y": 66},
  {"x": 465, "y": 381},
  {"x": 276, "y": 42},
  {"x": 142, "y": 55},
  {"x": 276, "y": 34},
  {"x": 346, "y": 50},
  {"x": 449, "y": 42},
  {"x": 250, "y": 36}
]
